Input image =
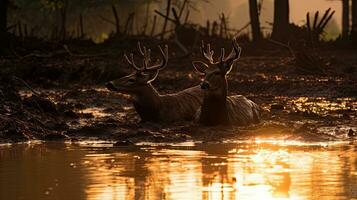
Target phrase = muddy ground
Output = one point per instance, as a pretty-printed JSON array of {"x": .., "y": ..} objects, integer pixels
[{"x": 61, "y": 96}]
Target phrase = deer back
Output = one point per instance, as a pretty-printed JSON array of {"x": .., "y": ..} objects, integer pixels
[
  {"x": 182, "y": 105},
  {"x": 242, "y": 111}
]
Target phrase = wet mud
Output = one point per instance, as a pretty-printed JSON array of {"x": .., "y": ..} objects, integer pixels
[{"x": 73, "y": 104}]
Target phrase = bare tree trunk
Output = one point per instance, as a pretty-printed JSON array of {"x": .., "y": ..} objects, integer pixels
[
  {"x": 19, "y": 28},
  {"x": 3, "y": 23},
  {"x": 167, "y": 15},
  {"x": 153, "y": 28},
  {"x": 117, "y": 23},
  {"x": 254, "y": 20},
  {"x": 63, "y": 12},
  {"x": 81, "y": 27},
  {"x": 129, "y": 24},
  {"x": 26, "y": 34},
  {"x": 281, "y": 20},
  {"x": 345, "y": 19},
  {"x": 354, "y": 21},
  {"x": 146, "y": 18}
]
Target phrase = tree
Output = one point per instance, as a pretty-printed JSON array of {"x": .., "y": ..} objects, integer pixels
[
  {"x": 354, "y": 21},
  {"x": 3, "y": 23},
  {"x": 281, "y": 20},
  {"x": 345, "y": 19},
  {"x": 254, "y": 20}
]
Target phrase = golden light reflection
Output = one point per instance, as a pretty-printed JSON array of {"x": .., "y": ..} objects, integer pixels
[
  {"x": 251, "y": 170},
  {"x": 243, "y": 172},
  {"x": 95, "y": 111},
  {"x": 323, "y": 106}
]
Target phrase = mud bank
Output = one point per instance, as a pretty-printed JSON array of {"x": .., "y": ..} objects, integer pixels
[{"x": 63, "y": 99}]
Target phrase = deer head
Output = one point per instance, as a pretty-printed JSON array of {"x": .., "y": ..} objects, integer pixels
[
  {"x": 141, "y": 77},
  {"x": 214, "y": 73}
]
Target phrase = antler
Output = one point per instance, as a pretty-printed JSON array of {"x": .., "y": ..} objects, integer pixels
[
  {"x": 131, "y": 61},
  {"x": 146, "y": 53},
  {"x": 165, "y": 58},
  {"x": 235, "y": 53},
  {"x": 209, "y": 53},
  {"x": 221, "y": 58}
]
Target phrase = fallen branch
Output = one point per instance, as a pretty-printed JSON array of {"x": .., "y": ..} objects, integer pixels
[
  {"x": 107, "y": 20},
  {"x": 27, "y": 85},
  {"x": 241, "y": 29},
  {"x": 66, "y": 48},
  {"x": 57, "y": 53},
  {"x": 283, "y": 45},
  {"x": 162, "y": 15},
  {"x": 37, "y": 55},
  {"x": 32, "y": 90},
  {"x": 181, "y": 46},
  {"x": 160, "y": 34}
]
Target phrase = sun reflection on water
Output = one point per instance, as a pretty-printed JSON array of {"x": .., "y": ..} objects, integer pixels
[
  {"x": 254, "y": 170},
  {"x": 239, "y": 173}
]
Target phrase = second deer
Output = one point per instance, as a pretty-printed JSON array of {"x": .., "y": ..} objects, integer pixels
[
  {"x": 218, "y": 108},
  {"x": 148, "y": 103}
]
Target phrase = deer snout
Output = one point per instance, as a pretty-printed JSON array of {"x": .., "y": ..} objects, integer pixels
[
  {"x": 110, "y": 86},
  {"x": 204, "y": 85}
]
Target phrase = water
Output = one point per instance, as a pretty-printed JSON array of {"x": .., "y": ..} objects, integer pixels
[{"x": 245, "y": 170}]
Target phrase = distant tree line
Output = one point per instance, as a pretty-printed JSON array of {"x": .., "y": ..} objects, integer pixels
[
  {"x": 280, "y": 31},
  {"x": 281, "y": 22}
]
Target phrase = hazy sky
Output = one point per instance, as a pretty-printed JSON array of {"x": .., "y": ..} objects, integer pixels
[
  {"x": 238, "y": 10},
  {"x": 299, "y": 8}
]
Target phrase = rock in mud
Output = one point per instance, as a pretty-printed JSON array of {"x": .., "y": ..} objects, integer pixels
[
  {"x": 54, "y": 137},
  {"x": 277, "y": 107},
  {"x": 123, "y": 143},
  {"x": 351, "y": 133},
  {"x": 41, "y": 103}
]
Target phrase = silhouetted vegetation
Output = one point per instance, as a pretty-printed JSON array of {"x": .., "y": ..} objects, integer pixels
[
  {"x": 254, "y": 17},
  {"x": 281, "y": 20}
]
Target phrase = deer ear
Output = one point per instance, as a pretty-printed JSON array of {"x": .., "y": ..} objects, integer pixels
[{"x": 201, "y": 67}]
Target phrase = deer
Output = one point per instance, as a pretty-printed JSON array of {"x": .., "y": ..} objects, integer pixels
[
  {"x": 218, "y": 108},
  {"x": 148, "y": 103}
]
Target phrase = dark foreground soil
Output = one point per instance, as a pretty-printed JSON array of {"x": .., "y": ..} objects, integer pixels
[{"x": 64, "y": 98}]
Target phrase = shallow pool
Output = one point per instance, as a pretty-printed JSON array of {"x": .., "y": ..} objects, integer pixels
[{"x": 241, "y": 170}]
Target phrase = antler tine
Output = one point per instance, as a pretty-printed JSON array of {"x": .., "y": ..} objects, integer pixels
[
  {"x": 131, "y": 61},
  {"x": 146, "y": 53},
  {"x": 209, "y": 53},
  {"x": 148, "y": 56},
  {"x": 163, "y": 63},
  {"x": 222, "y": 55},
  {"x": 140, "y": 49},
  {"x": 236, "y": 48},
  {"x": 236, "y": 51}
]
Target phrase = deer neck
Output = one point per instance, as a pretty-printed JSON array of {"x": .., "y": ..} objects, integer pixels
[
  {"x": 147, "y": 103},
  {"x": 214, "y": 108}
]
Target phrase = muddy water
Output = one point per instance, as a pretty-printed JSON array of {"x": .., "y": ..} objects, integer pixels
[{"x": 243, "y": 170}]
